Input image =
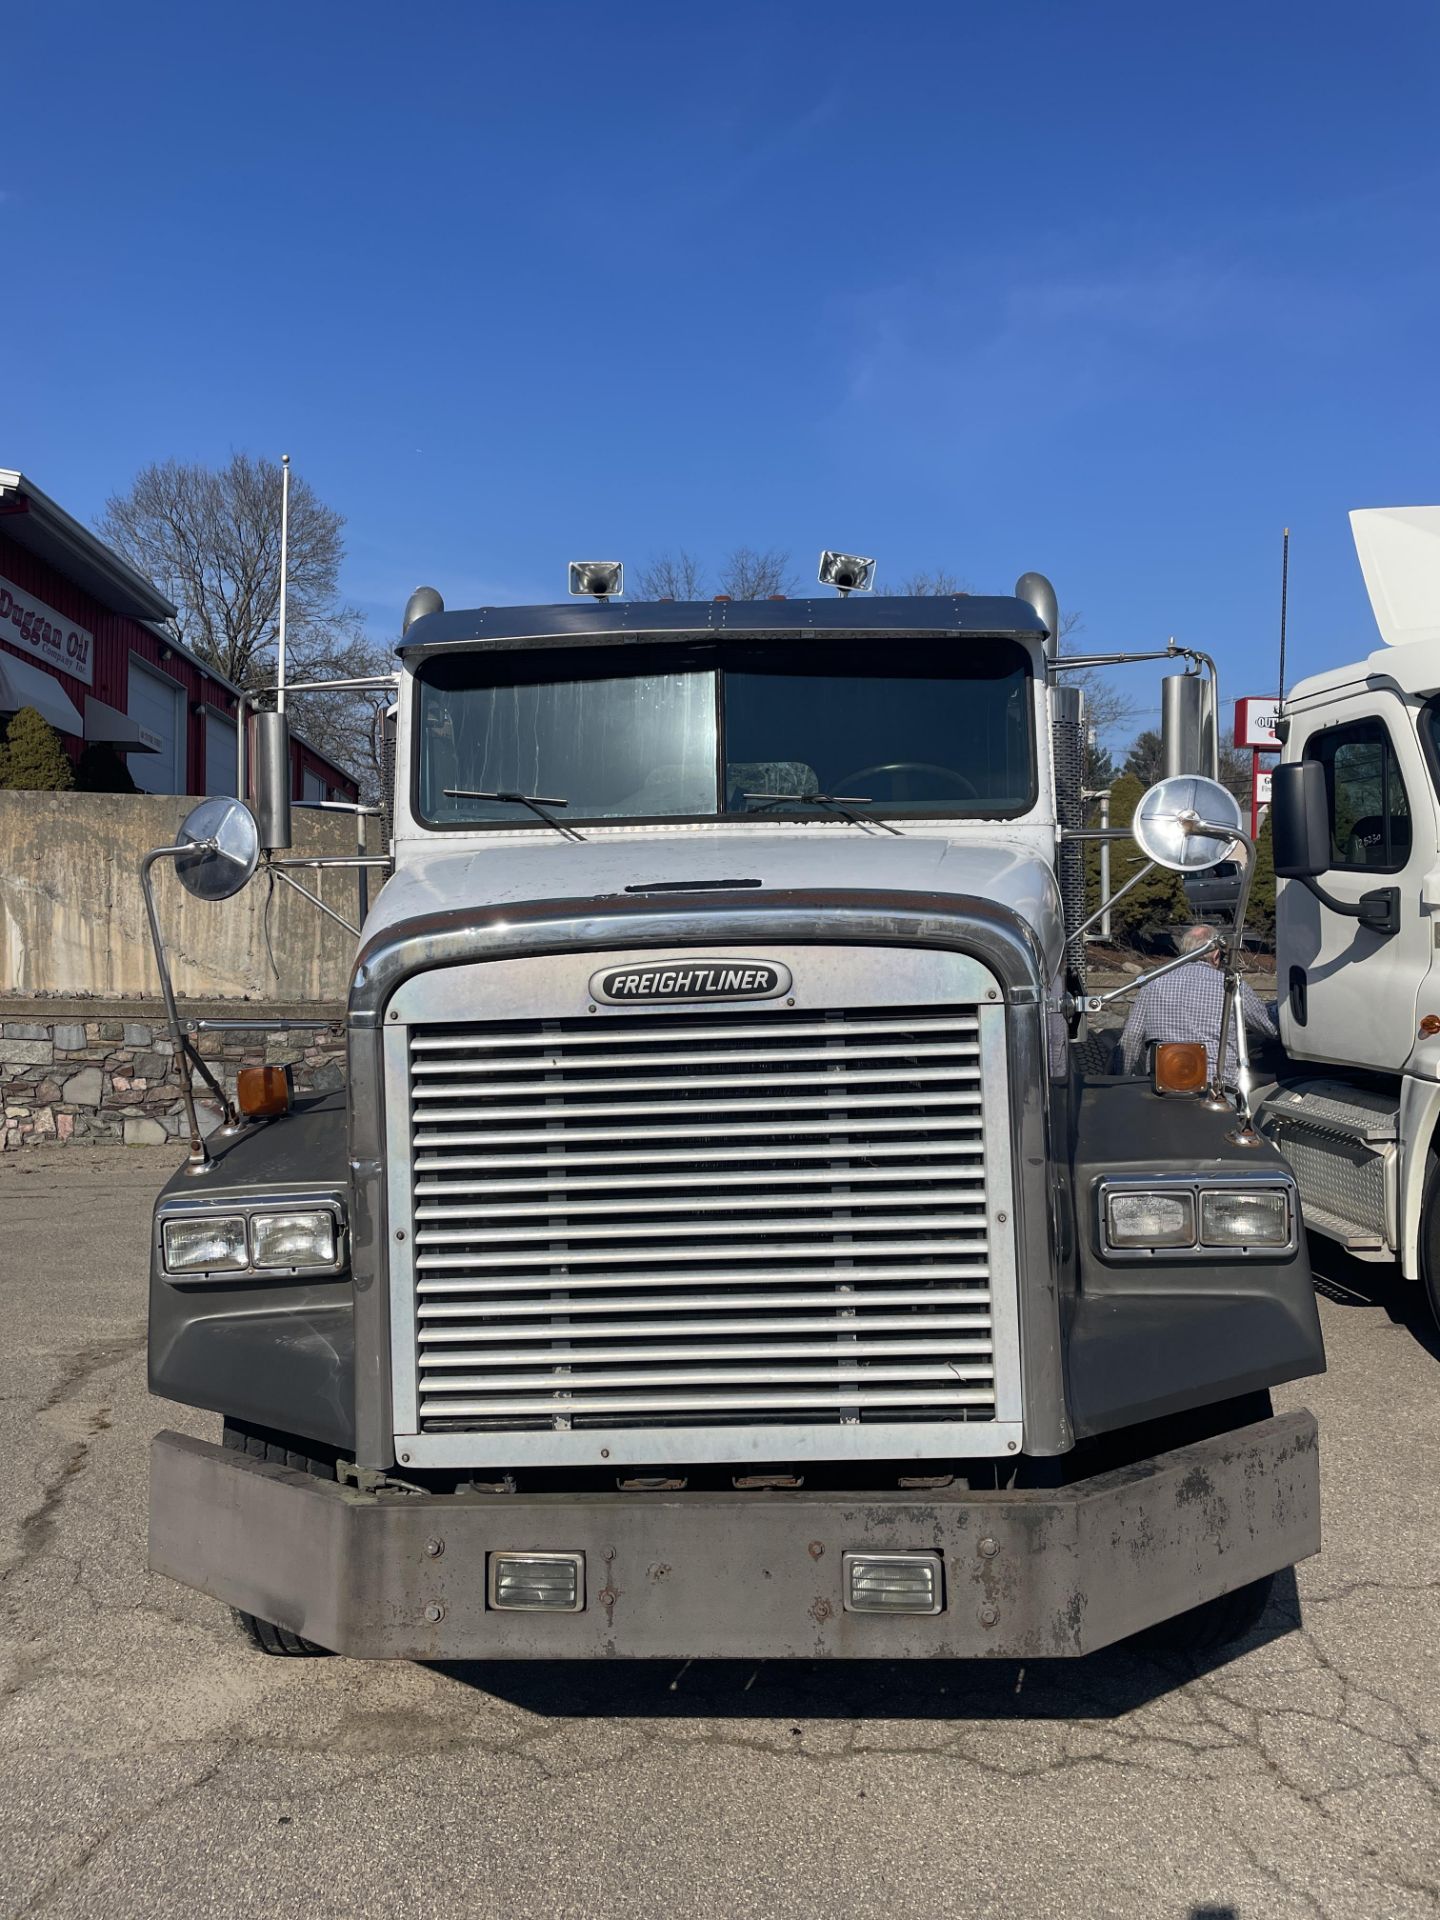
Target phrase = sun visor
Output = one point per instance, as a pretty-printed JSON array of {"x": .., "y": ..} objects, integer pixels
[{"x": 1399, "y": 552}]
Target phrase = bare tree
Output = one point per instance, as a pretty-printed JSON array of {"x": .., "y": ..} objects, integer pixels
[
  {"x": 210, "y": 540},
  {"x": 748, "y": 575},
  {"x": 1108, "y": 707},
  {"x": 672, "y": 576},
  {"x": 927, "y": 584}
]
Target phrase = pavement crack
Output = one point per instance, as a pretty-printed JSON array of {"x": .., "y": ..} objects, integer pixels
[{"x": 56, "y": 1885}]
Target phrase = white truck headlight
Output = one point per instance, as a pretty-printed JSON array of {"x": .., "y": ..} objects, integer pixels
[
  {"x": 293, "y": 1239},
  {"x": 1245, "y": 1217},
  {"x": 209, "y": 1244},
  {"x": 1155, "y": 1219}
]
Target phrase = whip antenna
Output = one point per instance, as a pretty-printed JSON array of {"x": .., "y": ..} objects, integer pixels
[
  {"x": 1284, "y": 596},
  {"x": 284, "y": 568}
]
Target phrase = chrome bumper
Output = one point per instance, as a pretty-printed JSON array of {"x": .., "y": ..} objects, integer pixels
[{"x": 729, "y": 1575}]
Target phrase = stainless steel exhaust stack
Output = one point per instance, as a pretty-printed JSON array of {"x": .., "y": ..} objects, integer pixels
[
  {"x": 1037, "y": 592},
  {"x": 422, "y": 601}
]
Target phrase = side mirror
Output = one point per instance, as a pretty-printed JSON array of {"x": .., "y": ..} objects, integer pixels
[
  {"x": 272, "y": 780},
  {"x": 1300, "y": 820},
  {"x": 222, "y": 846},
  {"x": 1170, "y": 823}
]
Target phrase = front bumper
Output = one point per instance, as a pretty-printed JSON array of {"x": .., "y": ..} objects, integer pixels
[{"x": 731, "y": 1575}]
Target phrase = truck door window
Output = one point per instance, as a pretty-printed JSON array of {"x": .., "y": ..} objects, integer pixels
[{"x": 1369, "y": 808}]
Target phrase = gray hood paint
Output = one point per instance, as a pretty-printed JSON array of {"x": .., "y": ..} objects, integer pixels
[{"x": 443, "y": 878}]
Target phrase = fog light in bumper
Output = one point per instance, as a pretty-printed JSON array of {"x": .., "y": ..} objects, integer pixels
[
  {"x": 893, "y": 1582},
  {"x": 536, "y": 1582}
]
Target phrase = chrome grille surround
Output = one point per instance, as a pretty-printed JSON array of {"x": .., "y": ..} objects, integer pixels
[{"x": 736, "y": 1232}]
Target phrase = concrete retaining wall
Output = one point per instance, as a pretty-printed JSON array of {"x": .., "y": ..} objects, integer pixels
[
  {"x": 84, "y": 1071},
  {"x": 72, "y": 919}
]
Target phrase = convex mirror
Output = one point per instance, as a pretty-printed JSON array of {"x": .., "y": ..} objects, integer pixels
[
  {"x": 1168, "y": 816},
  {"x": 226, "y": 844}
]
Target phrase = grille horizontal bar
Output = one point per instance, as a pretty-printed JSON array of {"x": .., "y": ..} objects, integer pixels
[
  {"x": 851, "y": 1299},
  {"x": 546, "y": 1037},
  {"x": 712, "y": 1404},
  {"x": 752, "y": 1350},
  {"x": 663, "y": 1217}
]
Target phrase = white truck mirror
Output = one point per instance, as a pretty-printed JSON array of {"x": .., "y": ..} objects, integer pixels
[
  {"x": 1185, "y": 823},
  {"x": 221, "y": 845}
]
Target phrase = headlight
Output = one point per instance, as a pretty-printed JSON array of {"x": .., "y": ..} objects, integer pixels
[
  {"x": 1150, "y": 1219},
  {"x": 293, "y": 1239},
  {"x": 206, "y": 1245},
  {"x": 1240, "y": 1217}
]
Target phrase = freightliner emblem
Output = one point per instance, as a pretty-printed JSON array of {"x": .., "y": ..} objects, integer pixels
[{"x": 690, "y": 980}]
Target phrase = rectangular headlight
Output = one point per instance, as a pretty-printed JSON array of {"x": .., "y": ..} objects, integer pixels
[
  {"x": 1245, "y": 1217},
  {"x": 206, "y": 1245},
  {"x": 293, "y": 1239},
  {"x": 1150, "y": 1219}
]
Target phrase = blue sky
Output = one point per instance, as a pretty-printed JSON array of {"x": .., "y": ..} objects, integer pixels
[{"x": 1115, "y": 291}]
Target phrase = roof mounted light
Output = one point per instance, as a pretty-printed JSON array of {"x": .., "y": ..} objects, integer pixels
[
  {"x": 596, "y": 579},
  {"x": 846, "y": 572}
]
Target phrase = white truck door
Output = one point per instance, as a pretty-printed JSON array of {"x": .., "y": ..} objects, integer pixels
[{"x": 1348, "y": 995}]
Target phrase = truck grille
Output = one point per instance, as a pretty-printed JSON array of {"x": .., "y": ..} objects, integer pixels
[{"x": 695, "y": 1218}]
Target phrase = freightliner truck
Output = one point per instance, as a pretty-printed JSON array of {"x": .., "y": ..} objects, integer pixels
[
  {"x": 1357, "y": 846},
  {"x": 721, "y": 1248}
]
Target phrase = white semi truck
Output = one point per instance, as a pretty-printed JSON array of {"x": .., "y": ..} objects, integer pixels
[
  {"x": 720, "y": 1247},
  {"x": 1356, "y": 817}
]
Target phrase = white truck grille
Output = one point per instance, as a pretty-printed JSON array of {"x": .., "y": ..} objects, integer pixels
[{"x": 701, "y": 1218}]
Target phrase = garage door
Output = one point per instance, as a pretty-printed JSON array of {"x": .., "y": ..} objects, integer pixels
[
  {"x": 221, "y": 761},
  {"x": 158, "y": 705}
]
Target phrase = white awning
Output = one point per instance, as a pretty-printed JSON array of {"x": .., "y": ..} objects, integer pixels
[
  {"x": 109, "y": 727},
  {"x": 24, "y": 686}
]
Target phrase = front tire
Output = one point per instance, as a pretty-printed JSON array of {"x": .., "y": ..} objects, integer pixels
[
  {"x": 1215, "y": 1623},
  {"x": 260, "y": 1444},
  {"x": 1430, "y": 1237}
]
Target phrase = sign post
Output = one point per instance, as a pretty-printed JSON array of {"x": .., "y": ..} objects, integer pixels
[{"x": 1256, "y": 721}]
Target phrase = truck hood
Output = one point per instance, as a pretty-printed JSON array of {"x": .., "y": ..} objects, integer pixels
[{"x": 1008, "y": 872}]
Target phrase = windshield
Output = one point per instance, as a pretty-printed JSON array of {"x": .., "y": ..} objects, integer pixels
[{"x": 912, "y": 726}]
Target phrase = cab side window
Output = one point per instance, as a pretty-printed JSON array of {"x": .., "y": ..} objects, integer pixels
[{"x": 1369, "y": 808}]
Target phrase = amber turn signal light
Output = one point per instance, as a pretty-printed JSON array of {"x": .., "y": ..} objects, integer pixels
[
  {"x": 261, "y": 1092},
  {"x": 1180, "y": 1067},
  {"x": 1429, "y": 1025}
]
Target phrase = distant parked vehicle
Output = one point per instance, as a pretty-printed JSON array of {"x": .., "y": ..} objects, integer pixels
[{"x": 1213, "y": 895}]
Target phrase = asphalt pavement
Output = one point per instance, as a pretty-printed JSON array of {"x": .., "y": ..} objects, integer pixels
[{"x": 151, "y": 1764}]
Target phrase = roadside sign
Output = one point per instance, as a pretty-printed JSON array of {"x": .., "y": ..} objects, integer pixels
[
  {"x": 1263, "y": 779},
  {"x": 1256, "y": 719}
]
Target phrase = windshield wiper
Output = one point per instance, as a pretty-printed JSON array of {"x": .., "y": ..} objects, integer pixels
[
  {"x": 837, "y": 803},
  {"x": 536, "y": 802}
]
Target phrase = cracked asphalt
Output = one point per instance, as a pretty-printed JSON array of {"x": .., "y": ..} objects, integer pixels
[{"x": 149, "y": 1763}]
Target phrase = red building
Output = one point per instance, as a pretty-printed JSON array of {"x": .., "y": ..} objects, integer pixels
[{"x": 83, "y": 641}]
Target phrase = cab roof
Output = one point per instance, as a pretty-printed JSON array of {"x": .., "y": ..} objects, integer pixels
[{"x": 588, "y": 623}]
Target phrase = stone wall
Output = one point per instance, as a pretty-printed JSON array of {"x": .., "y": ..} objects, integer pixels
[{"x": 89, "y": 1072}]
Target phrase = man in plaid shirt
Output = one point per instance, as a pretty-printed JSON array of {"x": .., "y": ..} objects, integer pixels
[{"x": 1186, "y": 1004}]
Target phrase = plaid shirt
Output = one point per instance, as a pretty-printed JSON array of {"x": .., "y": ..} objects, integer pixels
[{"x": 1186, "y": 1005}]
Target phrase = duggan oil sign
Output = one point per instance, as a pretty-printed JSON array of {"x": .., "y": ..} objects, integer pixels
[{"x": 28, "y": 622}]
